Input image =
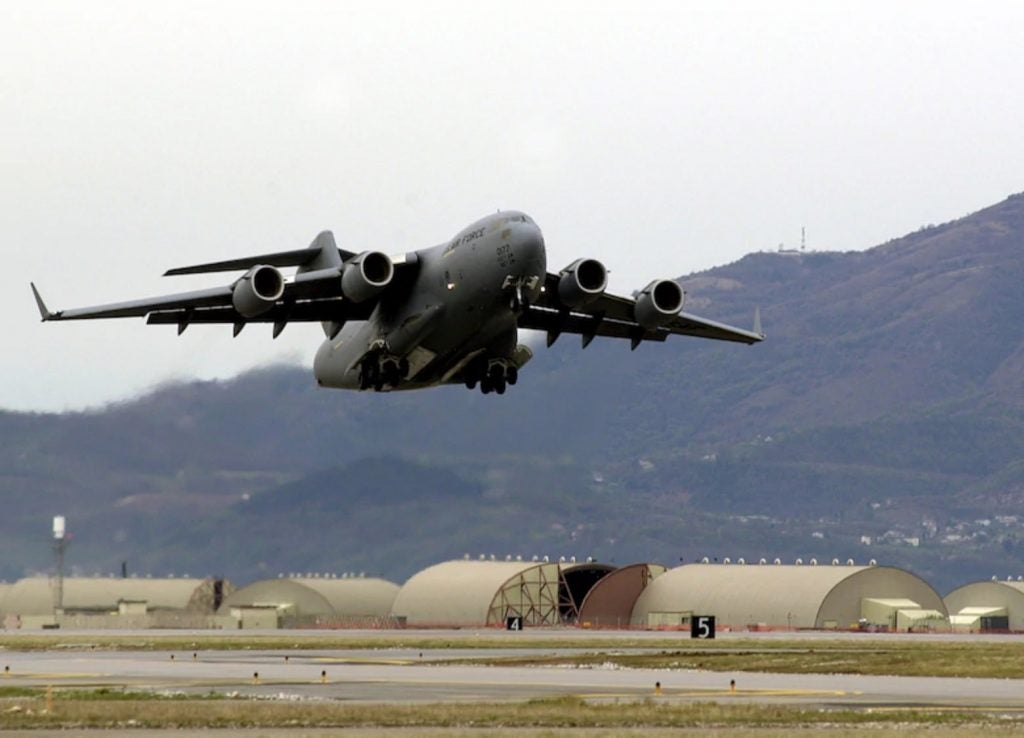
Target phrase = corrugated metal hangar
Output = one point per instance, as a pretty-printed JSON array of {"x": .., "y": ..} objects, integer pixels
[
  {"x": 791, "y": 596},
  {"x": 987, "y": 606},
  {"x": 480, "y": 592},
  {"x": 292, "y": 601}
]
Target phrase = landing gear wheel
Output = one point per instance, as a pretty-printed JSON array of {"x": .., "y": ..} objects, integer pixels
[
  {"x": 369, "y": 374},
  {"x": 512, "y": 375},
  {"x": 390, "y": 373}
]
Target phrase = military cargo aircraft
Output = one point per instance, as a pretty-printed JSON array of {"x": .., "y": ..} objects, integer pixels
[{"x": 449, "y": 314}]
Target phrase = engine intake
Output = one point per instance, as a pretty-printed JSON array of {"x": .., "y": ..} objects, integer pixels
[
  {"x": 257, "y": 291},
  {"x": 582, "y": 282},
  {"x": 365, "y": 275},
  {"x": 658, "y": 302}
]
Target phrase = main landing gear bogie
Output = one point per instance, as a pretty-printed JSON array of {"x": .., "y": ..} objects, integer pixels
[
  {"x": 380, "y": 371},
  {"x": 494, "y": 375}
]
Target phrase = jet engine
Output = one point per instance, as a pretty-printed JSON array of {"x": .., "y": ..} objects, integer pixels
[
  {"x": 582, "y": 282},
  {"x": 658, "y": 301},
  {"x": 365, "y": 275},
  {"x": 257, "y": 291}
]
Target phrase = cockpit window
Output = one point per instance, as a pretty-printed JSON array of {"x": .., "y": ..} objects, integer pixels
[{"x": 518, "y": 218}]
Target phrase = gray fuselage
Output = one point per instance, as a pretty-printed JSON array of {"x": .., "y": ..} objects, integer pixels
[{"x": 462, "y": 305}]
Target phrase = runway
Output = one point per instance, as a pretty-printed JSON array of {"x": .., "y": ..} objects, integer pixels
[{"x": 404, "y": 675}]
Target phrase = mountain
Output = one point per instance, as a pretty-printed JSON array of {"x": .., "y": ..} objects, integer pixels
[{"x": 886, "y": 406}]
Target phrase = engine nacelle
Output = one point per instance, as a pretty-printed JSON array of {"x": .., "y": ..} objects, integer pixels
[
  {"x": 659, "y": 301},
  {"x": 365, "y": 275},
  {"x": 257, "y": 291},
  {"x": 582, "y": 282}
]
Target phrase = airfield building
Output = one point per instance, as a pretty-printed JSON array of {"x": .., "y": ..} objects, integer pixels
[
  {"x": 987, "y": 606},
  {"x": 476, "y": 593},
  {"x": 104, "y": 602},
  {"x": 791, "y": 596},
  {"x": 327, "y": 601}
]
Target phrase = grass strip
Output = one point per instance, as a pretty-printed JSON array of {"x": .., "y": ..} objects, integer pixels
[
  {"x": 107, "y": 711},
  {"x": 979, "y": 661}
]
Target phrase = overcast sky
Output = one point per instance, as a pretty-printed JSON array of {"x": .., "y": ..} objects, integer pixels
[{"x": 661, "y": 138}]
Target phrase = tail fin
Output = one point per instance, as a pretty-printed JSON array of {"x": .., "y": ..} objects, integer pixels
[
  {"x": 327, "y": 254},
  {"x": 327, "y": 257}
]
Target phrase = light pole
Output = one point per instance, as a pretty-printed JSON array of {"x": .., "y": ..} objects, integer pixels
[{"x": 60, "y": 544}]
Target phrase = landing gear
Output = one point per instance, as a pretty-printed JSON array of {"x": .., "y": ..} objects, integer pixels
[
  {"x": 381, "y": 370},
  {"x": 493, "y": 375},
  {"x": 518, "y": 301},
  {"x": 519, "y": 289}
]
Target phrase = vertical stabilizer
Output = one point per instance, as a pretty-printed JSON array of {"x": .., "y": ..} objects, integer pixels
[{"x": 327, "y": 255}]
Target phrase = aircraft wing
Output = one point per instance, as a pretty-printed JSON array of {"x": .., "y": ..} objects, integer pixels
[
  {"x": 316, "y": 294},
  {"x": 214, "y": 306},
  {"x": 614, "y": 316}
]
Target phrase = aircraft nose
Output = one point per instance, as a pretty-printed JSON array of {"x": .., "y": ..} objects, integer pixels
[{"x": 530, "y": 244}]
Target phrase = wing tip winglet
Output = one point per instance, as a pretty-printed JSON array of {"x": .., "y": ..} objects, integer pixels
[
  {"x": 44, "y": 312},
  {"x": 757, "y": 322}
]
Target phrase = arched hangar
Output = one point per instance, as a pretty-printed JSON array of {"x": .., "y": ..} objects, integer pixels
[
  {"x": 793, "y": 596},
  {"x": 610, "y": 603},
  {"x": 35, "y": 595},
  {"x": 306, "y": 600},
  {"x": 476, "y": 593},
  {"x": 993, "y": 605}
]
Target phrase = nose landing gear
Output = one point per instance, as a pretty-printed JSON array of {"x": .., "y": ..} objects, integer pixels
[{"x": 518, "y": 287}]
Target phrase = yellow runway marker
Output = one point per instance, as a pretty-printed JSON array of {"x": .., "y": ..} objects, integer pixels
[{"x": 370, "y": 661}]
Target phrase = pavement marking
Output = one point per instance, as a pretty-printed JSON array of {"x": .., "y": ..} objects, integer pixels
[
  {"x": 57, "y": 675},
  {"x": 949, "y": 707},
  {"x": 371, "y": 661}
]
